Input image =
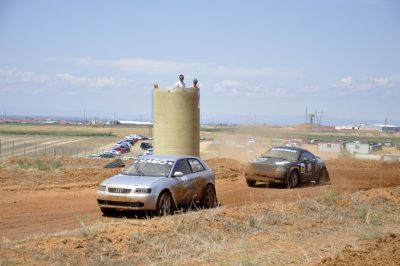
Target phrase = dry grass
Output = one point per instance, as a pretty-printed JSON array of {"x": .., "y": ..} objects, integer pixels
[{"x": 300, "y": 232}]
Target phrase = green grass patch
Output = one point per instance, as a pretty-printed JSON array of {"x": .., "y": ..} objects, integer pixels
[
  {"x": 41, "y": 165},
  {"x": 56, "y": 133}
]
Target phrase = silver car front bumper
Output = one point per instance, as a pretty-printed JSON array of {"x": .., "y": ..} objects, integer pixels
[{"x": 130, "y": 201}]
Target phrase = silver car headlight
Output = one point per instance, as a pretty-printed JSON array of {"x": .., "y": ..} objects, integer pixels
[
  {"x": 143, "y": 190},
  {"x": 102, "y": 188}
]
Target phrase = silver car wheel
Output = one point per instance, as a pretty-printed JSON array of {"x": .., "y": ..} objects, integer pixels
[
  {"x": 164, "y": 204},
  {"x": 209, "y": 198}
]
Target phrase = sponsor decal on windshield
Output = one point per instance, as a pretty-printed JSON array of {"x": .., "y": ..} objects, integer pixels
[
  {"x": 282, "y": 149},
  {"x": 154, "y": 161}
]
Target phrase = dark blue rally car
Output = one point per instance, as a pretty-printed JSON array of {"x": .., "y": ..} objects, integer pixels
[{"x": 288, "y": 165}]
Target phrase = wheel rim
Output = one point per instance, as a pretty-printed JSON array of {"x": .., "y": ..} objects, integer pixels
[
  {"x": 210, "y": 197},
  {"x": 165, "y": 204}
]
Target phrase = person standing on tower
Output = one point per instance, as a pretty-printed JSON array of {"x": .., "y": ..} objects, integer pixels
[
  {"x": 180, "y": 83},
  {"x": 195, "y": 84}
]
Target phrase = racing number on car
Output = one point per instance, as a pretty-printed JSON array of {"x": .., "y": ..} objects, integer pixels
[{"x": 309, "y": 167}]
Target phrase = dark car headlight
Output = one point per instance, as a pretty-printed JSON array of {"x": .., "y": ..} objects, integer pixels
[
  {"x": 143, "y": 190},
  {"x": 102, "y": 188}
]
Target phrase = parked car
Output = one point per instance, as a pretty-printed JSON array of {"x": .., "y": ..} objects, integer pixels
[
  {"x": 159, "y": 184},
  {"x": 122, "y": 148},
  {"x": 146, "y": 146},
  {"x": 108, "y": 154},
  {"x": 389, "y": 143},
  {"x": 125, "y": 145},
  {"x": 143, "y": 137},
  {"x": 288, "y": 165},
  {"x": 148, "y": 152},
  {"x": 129, "y": 141}
]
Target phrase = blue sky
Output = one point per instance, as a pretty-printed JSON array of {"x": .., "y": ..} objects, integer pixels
[{"x": 264, "y": 58}]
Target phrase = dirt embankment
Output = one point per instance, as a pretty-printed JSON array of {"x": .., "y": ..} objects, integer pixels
[
  {"x": 226, "y": 168},
  {"x": 273, "y": 217}
]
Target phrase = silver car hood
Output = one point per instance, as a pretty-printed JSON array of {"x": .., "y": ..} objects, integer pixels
[{"x": 132, "y": 181}]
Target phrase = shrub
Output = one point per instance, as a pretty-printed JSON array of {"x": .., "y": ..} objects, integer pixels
[{"x": 329, "y": 196}]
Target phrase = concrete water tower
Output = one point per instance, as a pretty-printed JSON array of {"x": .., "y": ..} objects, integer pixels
[{"x": 176, "y": 121}]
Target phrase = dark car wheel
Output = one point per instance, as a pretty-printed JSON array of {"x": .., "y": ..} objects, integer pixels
[
  {"x": 209, "y": 199},
  {"x": 293, "y": 180},
  {"x": 164, "y": 204},
  {"x": 250, "y": 183},
  {"x": 323, "y": 176}
]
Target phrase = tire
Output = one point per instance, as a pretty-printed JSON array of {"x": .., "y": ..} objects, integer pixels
[
  {"x": 250, "y": 183},
  {"x": 164, "y": 204},
  {"x": 209, "y": 199},
  {"x": 323, "y": 177},
  {"x": 293, "y": 180},
  {"x": 107, "y": 211}
]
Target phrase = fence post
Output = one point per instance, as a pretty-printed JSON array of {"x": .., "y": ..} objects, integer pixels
[
  {"x": 45, "y": 150},
  {"x": 24, "y": 150},
  {"x": 54, "y": 152},
  {"x": 13, "y": 149}
]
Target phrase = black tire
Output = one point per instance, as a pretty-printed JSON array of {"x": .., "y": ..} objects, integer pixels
[
  {"x": 323, "y": 177},
  {"x": 293, "y": 180},
  {"x": 164, "y": 204},
  {"x": 107, "y": 211},
  {"x": 250, "y": 183},
  {"x": 209, "y": 199}
]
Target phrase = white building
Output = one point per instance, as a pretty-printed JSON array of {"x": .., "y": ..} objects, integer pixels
[
  {"x": 358, "y": 148},
  {"x": 329, "y": 147}
]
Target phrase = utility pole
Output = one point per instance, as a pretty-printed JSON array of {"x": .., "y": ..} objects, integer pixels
[
  {"x": 306, "y": 116},
  {"x": 84, "y": 114}
]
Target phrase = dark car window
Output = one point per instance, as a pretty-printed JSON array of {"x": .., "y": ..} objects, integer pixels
[
  {"x": 182, "y": 166},
  {"x": 196, "y": 165},
  {"x": 307, "y": 155}
]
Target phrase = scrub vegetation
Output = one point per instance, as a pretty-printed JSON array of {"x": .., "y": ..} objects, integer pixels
[{"x": 299, "y": 232}]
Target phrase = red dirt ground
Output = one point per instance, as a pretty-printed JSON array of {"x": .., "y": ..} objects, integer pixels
[{"x": 55, "y": 201}]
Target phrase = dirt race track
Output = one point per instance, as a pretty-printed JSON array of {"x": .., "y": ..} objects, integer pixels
[{"x": 35, "y": 202}]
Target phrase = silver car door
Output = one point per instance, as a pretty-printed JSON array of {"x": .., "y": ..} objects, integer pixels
[
  {"x": 183, "y": 187},
  {"x": 199, "y": 177}
]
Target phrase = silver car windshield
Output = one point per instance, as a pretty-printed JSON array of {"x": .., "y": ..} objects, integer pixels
[
  {"x": 282, "y": 153},
  {"x": 149, "y": 167}
]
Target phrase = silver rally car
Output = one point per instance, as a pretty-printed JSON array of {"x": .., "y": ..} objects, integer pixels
[{"x": 159, "y": 184}]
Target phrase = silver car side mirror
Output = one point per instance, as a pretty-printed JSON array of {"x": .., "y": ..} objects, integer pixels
[{"x": 177, "y": 174}]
